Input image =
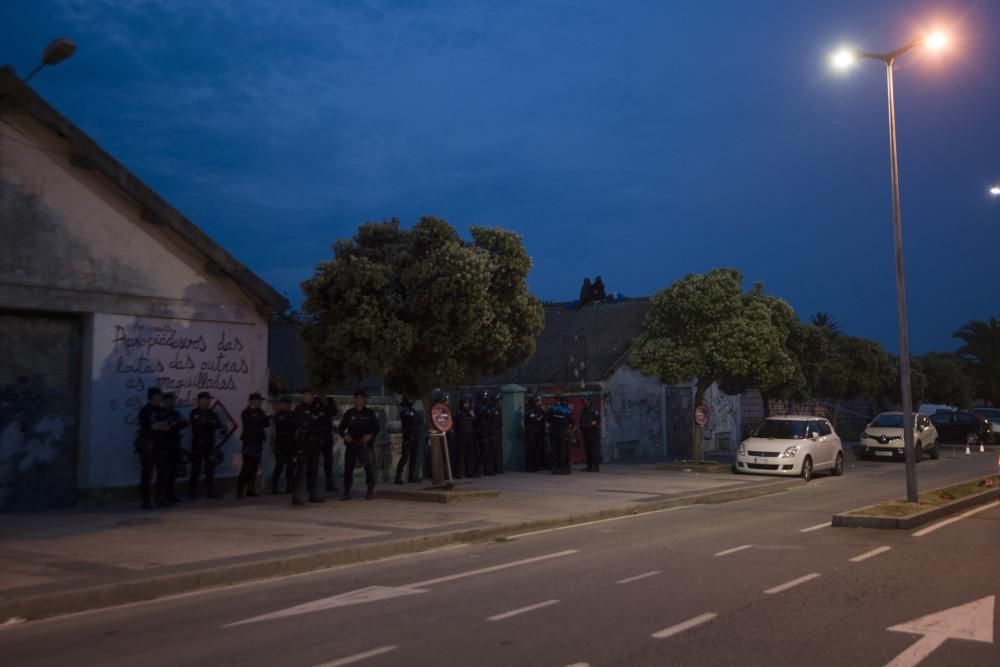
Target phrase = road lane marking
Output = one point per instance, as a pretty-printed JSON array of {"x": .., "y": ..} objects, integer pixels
[
  {"x": 734, "y": 550},
  {"x": 377, "y": 593},
  {"x": 681, "y": 627},
  {"x": 492, "y": 568},
  {"x": 579, "y": 664},
  {"x": 637, "y": 577},
  {"x": 816, "y": 527},
  {"x": 358, "y": 657},
  {"x": 591, "y": 523},
  {"x": 941, "y": 524},
  {"x": 969, "y": 622},
  {"x": 522, "y": 610},
  {"x": 870, "y": 554},
  {"x": 791, "y": 584}
]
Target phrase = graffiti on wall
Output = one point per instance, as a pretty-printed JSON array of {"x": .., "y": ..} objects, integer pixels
[
  {"x": 633, "y": 417},
  {"x": 723, "y": 429}
]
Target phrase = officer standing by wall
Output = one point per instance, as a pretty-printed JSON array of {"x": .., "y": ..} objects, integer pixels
[
  {"x": 177, "y": 424},
  {"x": 409, "y": 422},
  {"x": 310, "y": 421},
  {"x": 150, "y": 449},
  {"x": 255, "y": 423},
  {"x": 534, "y": 434},
  {"x": 358, "y": 428},
  {"x": 590, "y": 424},
  {"x": 332, "y": 411},
  {"x": 283, "y": 445},
  {"x": 205, "y": 424},
  {"x": 466, "y": 441},
  {"x": 560, "y": 419},
  {"x": 486, "y": 423}
]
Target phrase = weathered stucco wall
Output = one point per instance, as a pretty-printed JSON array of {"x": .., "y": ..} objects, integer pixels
[{"x": 634, "y": 417}]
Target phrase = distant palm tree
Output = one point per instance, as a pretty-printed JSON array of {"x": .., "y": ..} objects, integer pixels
[
  {"x": 826, "y": 321},
  {"x": 981, "y": 347}
]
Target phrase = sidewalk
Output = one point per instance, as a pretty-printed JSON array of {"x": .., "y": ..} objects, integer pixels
[{"x": 65, "y": 561}]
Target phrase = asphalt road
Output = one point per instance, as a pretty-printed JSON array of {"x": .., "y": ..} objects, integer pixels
[{"x": 758, "y": 582}]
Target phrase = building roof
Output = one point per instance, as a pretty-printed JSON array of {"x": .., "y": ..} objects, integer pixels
[
  {"x": 580, "y": 344},
  {"x": 155, "y": 210}
]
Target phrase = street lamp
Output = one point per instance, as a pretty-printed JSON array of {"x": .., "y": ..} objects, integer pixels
[
  {"x": 842, "y": 60},
  {"x": 58, "y": 50},
  {"x": 995, "y": 190}
]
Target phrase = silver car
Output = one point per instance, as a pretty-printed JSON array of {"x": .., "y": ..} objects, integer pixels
[{"x": 883, "y": 437}]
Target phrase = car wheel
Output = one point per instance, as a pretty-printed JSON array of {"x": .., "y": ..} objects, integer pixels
[
  {"x": 936, "y": 452},
  {"x": 807, "y": 469},
  {"x": 838, "y": 466}
]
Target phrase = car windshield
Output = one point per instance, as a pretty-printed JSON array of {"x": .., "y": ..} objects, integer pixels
[
  {"x": 888, "y": 421},
  {"x": 989, "y": 412},
  {"x": 782, "y": 429}
]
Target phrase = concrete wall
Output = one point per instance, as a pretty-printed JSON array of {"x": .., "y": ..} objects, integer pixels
[
  {"x": 723, "y": 431},
  {"x": 634, "y": 412}
]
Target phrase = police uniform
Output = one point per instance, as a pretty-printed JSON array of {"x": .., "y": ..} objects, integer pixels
[
  {"x": 177, "y": 424},
  {"x": 356, "y": 424},
  {"x": 590, "y": 424},
  {"x": 255, "y": 423},
  {"x": 560, "y": 420},
  {"x": 534, "y": 436},
  {"x": 486, "y": 420},
  {"x": 204, "y": 426},
  {"x": 326, "y": 448},
  {"x": 466, "y": 440},
  {"x": 310, "y": 421},
  {"x": 284, "y": 449},
  {"x": 409, "y": 422},
  {"x": 152, "y": 447}
]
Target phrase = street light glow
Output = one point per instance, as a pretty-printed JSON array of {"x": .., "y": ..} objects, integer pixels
[
  {"x": 936, "y": 40},
  {"x": 995, "y": 191},
  {"x": 843, "y": 58}
]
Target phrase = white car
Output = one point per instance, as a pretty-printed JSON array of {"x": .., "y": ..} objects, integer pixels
[
  {"x": 796, "y": 445},
  {"x": 884, "y": 436}
]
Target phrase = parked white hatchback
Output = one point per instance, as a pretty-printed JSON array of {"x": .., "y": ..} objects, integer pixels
[{"x": 796, "y": 445}]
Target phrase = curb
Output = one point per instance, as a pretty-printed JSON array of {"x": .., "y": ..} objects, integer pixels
[
  {"x": 915, "y": 520},
  {"x": 693, "y": 466},
  {"x": 436, "y": 495},
  {"x": 110, "y": 595}
]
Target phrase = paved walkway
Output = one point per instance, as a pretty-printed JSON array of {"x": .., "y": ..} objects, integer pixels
[{"x": 46, "y": 553}]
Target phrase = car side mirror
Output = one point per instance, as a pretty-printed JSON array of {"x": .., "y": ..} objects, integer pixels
[{"x": 814, "y": 435}]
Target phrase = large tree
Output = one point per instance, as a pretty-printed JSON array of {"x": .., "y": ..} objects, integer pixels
[
  {"x": 949, "y": 380},
  {"x": 707, "y": 329},
  {"x": 422, "y": 308},
  {"x": 981, "y": 347}
]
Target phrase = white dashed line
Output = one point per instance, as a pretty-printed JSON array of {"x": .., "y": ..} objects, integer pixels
[
  {"x": 870, "y": 554},
  {"x": 734, "y": 550},
  {"x": 493, "y": 568},
  {"x": 681, "y": 627},
  {"x": 946, "y": 522},
  {"x": 816, "y": 527},
  {"x": 579, "y": 664},
  {"x": 522, "y": 610},
  {"x": 638, "y": 577},
  {"x": 791, "y": 584},
  {"x": 591, "y": 523},
  {"x": 358, "y": 657}
]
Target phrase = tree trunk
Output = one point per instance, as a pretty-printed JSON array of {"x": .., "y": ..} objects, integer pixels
[{"x": 699, "y": 397}]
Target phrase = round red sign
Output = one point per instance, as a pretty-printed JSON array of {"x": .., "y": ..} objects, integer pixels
[
  {"x": 701, "y": 415},
  {"x": 441, "y": 417}
]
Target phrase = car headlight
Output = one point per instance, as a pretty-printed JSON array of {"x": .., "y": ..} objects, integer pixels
[
  {"x": 742, "y": 451},
  {"x": 790, "y": 452}
]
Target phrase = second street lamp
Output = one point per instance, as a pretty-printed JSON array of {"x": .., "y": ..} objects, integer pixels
[{"x": 844, "y": 59}]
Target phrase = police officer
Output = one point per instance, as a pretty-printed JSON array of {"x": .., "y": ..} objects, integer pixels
[
  {"x": 466, "y": 439},
  {"x": 409, "y": 422},
  {"x": 205, "y": 424},
  {"x": 326, "y": 449},
  {"x": 177, "y": 424},
  {"x": 283, "y": 445},
  {"x": 310, "y": 421},
  {"x": 534, "y": 434},
  {"x": 151, "y": 447},
  {"x": 590, "y": 425},
  {"x": 358, "y": 428},
  {"x": 255, "y": 423},
  {"x": 486, "y": 420},
  {"x": 560, "y": 420}
]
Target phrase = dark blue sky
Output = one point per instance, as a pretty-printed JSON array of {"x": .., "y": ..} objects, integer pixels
[{"x": 639, "y": 140}]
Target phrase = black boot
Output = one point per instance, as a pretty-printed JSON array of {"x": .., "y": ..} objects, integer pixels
[{"x": 371, "y": 493}]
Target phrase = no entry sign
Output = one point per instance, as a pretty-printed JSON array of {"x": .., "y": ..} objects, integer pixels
[
  {"x": 701, "y": 415},
  {"x": 441, "y": 417}
]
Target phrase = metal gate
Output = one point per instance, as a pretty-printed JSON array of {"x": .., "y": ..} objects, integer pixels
[
  {"x": 680, "y": 428},
  {"x": 39, "y": 408}
]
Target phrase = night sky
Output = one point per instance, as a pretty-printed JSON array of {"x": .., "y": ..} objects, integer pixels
[{"x": 638, "y": 140}]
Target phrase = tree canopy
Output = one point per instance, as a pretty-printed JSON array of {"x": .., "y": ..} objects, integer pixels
[
  {"x": 981, "y": 347},
  {"x": 422, "y": 307},
  {"x": 706, "y": 328},
  {"x": 948, "y": 380}
]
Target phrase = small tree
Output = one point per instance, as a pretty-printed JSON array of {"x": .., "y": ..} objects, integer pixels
[
  {"x": 707, "y": 329},
  {"x": 826, "y": 321},
  {"x": 422, "y": 308}
]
